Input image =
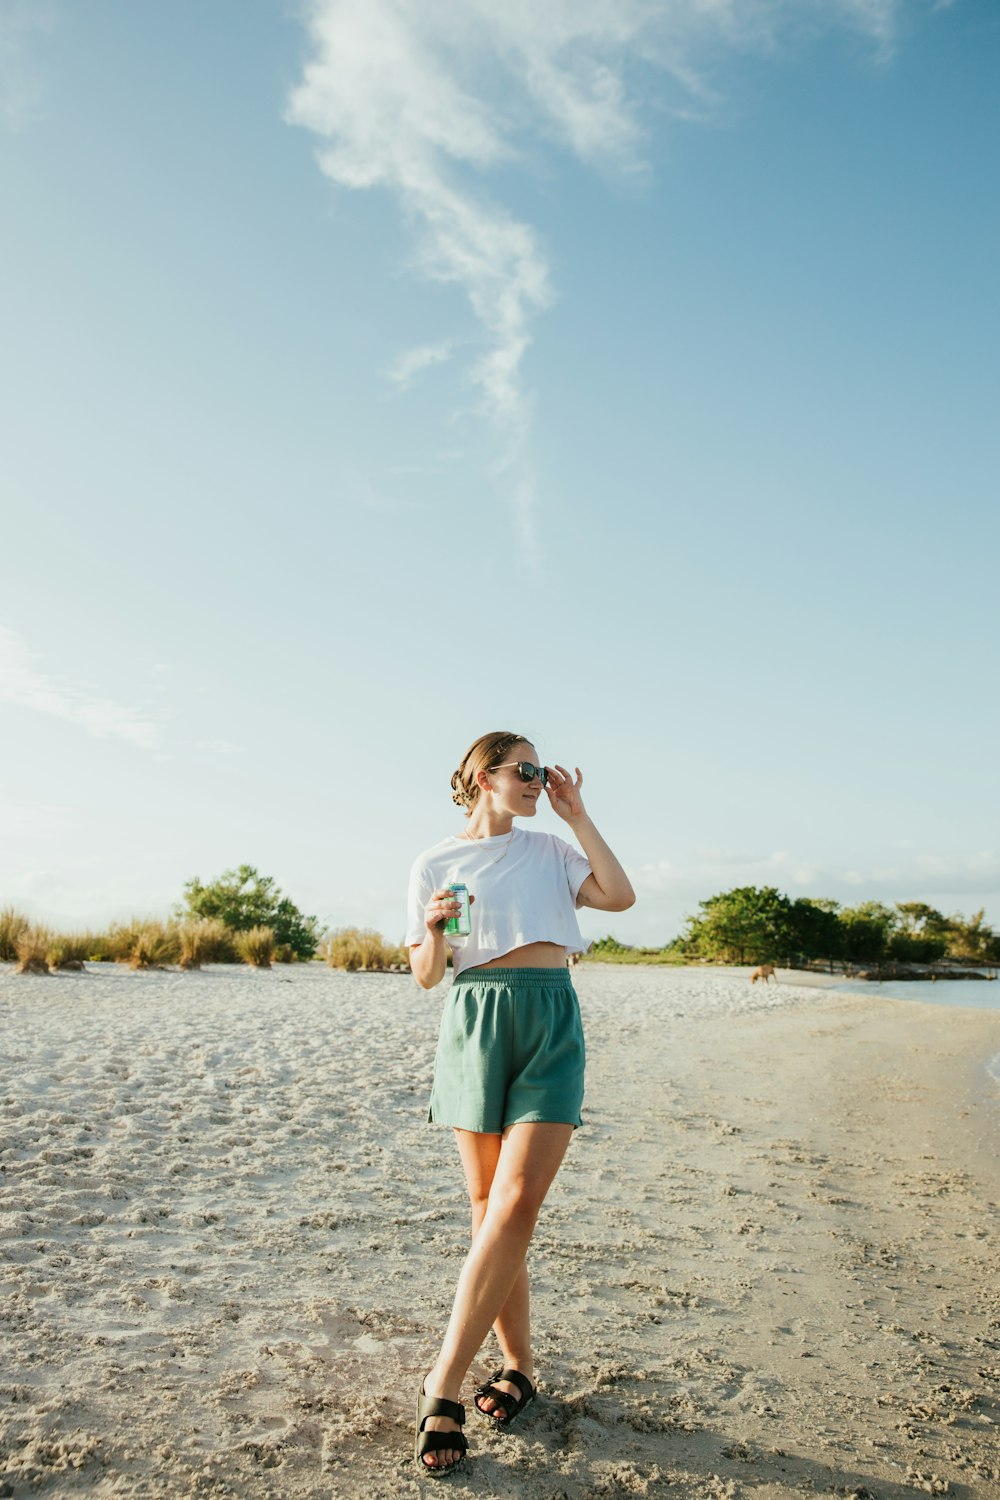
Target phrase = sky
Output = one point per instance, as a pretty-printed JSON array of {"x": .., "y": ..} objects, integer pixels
[{"x": 375, "y": 374}]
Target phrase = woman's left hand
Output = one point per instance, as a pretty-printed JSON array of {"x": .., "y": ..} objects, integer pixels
[{"x": 564, "y": 793}]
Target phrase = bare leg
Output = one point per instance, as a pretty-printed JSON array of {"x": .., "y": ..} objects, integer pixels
[
  {"x": 528, "y": 1160},
  {"x": 480, "y": 1155}
]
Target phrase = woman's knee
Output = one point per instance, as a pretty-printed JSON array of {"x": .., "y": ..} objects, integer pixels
[
  {"x": 479, "y": 1200},
  {"x": 517, "y": 1201}
]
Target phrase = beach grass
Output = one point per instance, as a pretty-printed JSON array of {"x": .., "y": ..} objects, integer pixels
[
  {"x": 256, "y": 947},
  {"x": 362, "y": 948},
  {"x": 32, "y": 950},
  {"x": 667, "y": 956},
  {"x": 13, "y": 925},
  {"x": 205, "y": 940},
  {"x": 149, "y": 945},
  {"x": 68, "y": 950}
]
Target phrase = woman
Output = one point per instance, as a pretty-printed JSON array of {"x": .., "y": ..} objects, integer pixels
[{"x": 509, "y": 1071}]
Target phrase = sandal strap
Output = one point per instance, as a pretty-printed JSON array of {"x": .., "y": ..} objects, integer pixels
[
  {"x": 440, "y": 1406},
  {"x": 433, "y": 1442},
  {"x": 511, "y": 1404},
  {"x": 514, "y": 1377}
]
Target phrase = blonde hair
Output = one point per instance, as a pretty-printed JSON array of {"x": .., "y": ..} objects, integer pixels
[{"x": 482, "y": 755}]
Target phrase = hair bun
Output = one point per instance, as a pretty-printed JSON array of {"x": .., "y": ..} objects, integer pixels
[{"x": 459, "y": 795}]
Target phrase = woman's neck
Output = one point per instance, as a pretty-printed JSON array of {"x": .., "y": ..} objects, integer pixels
[{"x": 486, "y": 825}]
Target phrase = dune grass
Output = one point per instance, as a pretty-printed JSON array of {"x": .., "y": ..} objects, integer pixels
[
  {"x": 205, "y": 940},
  {"x": 256, "y": 947},
  {"x": 68, "y": 950},
  {"x": 32, "y": 950},
  {"x": 145, "y": 943},
  {"x": 13, "y": 925},
  {"x": 622, "y": 955},
  {"x": 354, "y": 948}
]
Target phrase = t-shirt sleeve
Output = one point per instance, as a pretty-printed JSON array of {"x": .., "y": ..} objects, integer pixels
[
  {"x": 577, "y": 867},
  {"x": 421, "y": 886}
]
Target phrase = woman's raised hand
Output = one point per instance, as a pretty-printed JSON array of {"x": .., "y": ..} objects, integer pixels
[{"x": 564, "y": 793}]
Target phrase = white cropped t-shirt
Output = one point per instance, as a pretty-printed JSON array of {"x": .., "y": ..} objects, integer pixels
[{"x": 525, "y": 893}]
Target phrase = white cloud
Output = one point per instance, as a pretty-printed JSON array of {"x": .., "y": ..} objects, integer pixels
[
  {"x": 407, "y": 366},
  {"x": 702, "y": 873},
  {"x": 24, "y": 684},
  {"x": 958, "y": 872},
  {"x": 424, "y": 97},
  {"x": 20, "y": 79}
]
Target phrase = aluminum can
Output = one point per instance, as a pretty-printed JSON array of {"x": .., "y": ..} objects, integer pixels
[{"x": 460, "y": 926}]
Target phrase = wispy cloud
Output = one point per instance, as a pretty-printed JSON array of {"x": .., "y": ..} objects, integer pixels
[
  {"x": 701, "y": 873},
  {"x": 21, "y": 23},
  {"x": 25, "y": 684},
  {"x": 406, "y": 367},
  {"x": 424, "y": 99}
]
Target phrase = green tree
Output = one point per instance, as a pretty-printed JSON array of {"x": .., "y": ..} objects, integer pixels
[
  {"x": 244, "y": 899},
  {"x": 973, "y": 939},
  {"x": 921, "y": 934},
  {"x": 608, "y": 946},
  {"x": 744, "y": 925},
  {"x": 813, "y": 930},
  {"x": 921, "y": 920},
  {"x": 867, "y": 930}
]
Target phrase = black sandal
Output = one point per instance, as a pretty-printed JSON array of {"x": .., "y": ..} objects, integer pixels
[
  {"x": 433, "y": 1442},
  {"x": 512, "y": 1405}
]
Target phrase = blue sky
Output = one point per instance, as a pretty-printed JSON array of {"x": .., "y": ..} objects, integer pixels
[{"x": 376, "y": 375}]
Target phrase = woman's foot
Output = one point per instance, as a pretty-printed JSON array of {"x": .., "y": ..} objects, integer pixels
[
  {"x": 434, "y": 1455},
  {"x": 490, "y": 1395}
]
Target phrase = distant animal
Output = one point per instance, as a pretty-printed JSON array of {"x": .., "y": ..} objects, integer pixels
[{"x": 765, "y": 972}]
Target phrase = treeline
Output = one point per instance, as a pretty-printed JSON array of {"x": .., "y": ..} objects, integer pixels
[{"x": 754, "y": 925}]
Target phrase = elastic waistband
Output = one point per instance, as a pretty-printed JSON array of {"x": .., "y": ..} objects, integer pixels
[{"x": 512, "y": 978}]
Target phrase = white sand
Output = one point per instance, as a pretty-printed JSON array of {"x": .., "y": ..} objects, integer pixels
[{"x": 229, "y": 1241}]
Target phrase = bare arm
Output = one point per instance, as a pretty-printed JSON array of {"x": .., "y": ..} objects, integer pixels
[{"x": 608, "y": 888}]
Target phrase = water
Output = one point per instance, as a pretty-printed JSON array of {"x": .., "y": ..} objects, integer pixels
[{"x": 980, "y": 994}]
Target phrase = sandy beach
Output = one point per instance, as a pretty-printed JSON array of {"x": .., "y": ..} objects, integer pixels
[{"x": 770, "y": 1265}]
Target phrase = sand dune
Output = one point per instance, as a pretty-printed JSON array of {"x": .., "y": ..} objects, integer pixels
[{"x": 768, "y": 1267}]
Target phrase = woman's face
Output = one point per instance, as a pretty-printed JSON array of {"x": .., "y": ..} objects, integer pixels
[{"x": 510, "y": 793}]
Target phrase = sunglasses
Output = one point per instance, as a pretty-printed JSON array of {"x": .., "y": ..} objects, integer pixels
[{"x": 525, "y": 770}]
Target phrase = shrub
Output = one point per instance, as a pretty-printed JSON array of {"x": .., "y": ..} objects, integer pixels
[
  {"x": 243, "y": 899},
  {"x": 205, "y": 940},
  {"x": 99, "y": 947},
  {"x": 13, "y": 925},
  {"x": 68, "y": 950},
  {"x": 399, "y": 957},
  {"x": 354, "y": 948},
  {"x": 606, "y": 947},
  {"x": 153, "y": 946},
  {"x": 32, "y": 947},
  {"x": 121, "y": 938},
  {"x": 257, "y": 946},
  {"x": 914, "y": 948}
]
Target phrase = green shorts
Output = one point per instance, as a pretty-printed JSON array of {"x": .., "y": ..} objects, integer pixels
[{"x": 510, "y": 1050}]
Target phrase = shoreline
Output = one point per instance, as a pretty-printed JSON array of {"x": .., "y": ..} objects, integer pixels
[
  {"x": 769, "y": 1264},
  {"x": 969, "y": 974}
]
